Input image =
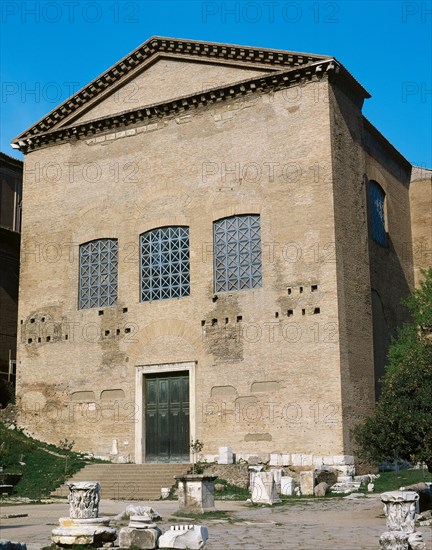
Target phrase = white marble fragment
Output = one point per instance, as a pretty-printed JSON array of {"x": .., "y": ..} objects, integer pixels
[
  {"x": 264, "y": 489},
  {"x": 192, "y": 537},
  {"x": 287, "y": 485}
]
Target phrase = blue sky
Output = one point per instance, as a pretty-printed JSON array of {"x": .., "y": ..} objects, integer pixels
[{"x": 51, "y": 48}]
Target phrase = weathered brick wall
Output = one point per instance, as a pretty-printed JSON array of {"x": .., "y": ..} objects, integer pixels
[
  {"x": 366, "y": 269},
  {"x": 421, "y": 219},
  {"x": 391, "y": 267},
  {"x": 351, "y": 236},
  {"x": 266, "y": 382}
]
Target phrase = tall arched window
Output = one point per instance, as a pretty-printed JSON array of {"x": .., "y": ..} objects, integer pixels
[
  {"x": 98, "y": 273},
  {"x": 377, "y": 213},
  {"x": 237, "y": 253},
  {"x": 165, "y": 271}
]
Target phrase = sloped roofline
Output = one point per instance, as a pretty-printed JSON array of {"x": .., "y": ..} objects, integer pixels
[
  {"x": 278, "y": 80},
  {"x": 155, "y": 46},
  {"x": 388, "y": 147}
]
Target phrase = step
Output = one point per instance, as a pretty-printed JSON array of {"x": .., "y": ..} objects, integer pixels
[{"x": 128, "y": 481}]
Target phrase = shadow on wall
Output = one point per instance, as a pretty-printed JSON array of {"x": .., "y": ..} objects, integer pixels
[{"x": 381, "y": 340}]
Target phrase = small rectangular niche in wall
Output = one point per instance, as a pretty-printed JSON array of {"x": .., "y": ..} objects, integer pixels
[
  {"x": 300, "y": 289},
  {"x": 117, "y": 331},
  {"x": 125, "y": 310},
  {"x": 66, "y": 337},
  {"x": 30, "y": 340},
  {"x": 82, "y": 396},
  {"x": 303, "y": 312},
  {"x": 226, "y": 320},
  {"x": 314, "y": 288},
  {"x": 203, "y": 323},
  {"x": 289, "y": 290},
  {"x": 112, "y": 394},
  {"x": 48, "y": 338},
  {"x": 290, "y": 313},
  {"x": 127, "y": 330},
  {"x": 239, "y": 318},
  {"x": 317, "y": 310},
  {"x": 43, "y": 320},
  {"x": 214, "y": 322},
  {"x": 107, "y": 333},
  {"x": 100, "y": 312},
  {"x": 32, "y": 320},
  {"x": 39, "y": 340},
  {"x": 276, "y": 314}
]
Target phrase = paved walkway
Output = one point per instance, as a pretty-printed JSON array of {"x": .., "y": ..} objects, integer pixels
[{"x": 332, "y": 524}]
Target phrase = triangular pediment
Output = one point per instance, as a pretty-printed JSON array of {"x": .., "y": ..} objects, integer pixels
[
  {"x": 165, "y": 79},
  {"x": 163, "y": 69}
]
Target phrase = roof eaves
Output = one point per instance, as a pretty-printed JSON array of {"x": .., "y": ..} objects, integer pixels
[
  {"x": 273, "y": 81},
  {"x": 155, "y": 44}
]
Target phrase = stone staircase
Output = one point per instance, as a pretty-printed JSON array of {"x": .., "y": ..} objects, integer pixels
[{"x": 128, "y": 481}]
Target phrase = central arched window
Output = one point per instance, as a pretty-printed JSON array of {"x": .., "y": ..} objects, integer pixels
[
  {"x": 237, "y": 253},
  {"x": 98, "y": 273},
  {"x": 377, "y": 213},
  {"x": 165, "y": 271}
]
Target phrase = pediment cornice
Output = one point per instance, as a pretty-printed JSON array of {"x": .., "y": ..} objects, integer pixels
[
  {"x": 149, "y": 52},
  {"x": 284, "y": 69}
]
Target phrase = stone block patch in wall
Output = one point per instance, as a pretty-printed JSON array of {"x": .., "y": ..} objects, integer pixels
[
  {"x": 112, "y": 394},
  {"x": 83, "y": 396},
  {"x": 258, "y": 387},
  {"x": 258, "y": 437},
  {"x": 223, "y": 392}
]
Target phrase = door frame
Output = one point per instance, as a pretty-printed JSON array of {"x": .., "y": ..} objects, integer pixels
[{"x": 140, "y": 372}]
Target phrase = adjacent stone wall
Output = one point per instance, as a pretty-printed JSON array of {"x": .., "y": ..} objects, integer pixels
[{"x": 421, "y": 219}]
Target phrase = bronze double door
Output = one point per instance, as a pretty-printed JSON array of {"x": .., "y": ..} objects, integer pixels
[{"x": 167, "y": 417}]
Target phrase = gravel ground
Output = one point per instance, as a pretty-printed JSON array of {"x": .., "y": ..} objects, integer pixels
[{"x": 330, "y": 524}]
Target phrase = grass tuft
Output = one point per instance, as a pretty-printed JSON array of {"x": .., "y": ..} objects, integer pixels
[{"x": 43, "y": 466}]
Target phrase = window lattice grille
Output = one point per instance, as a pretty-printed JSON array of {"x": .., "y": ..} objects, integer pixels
[
  {"x": 98, "y": 273},
  {"x": 377, "y": 198},
  {"x": 237, "y": 253},
  {"x": 165, "y": 271}
]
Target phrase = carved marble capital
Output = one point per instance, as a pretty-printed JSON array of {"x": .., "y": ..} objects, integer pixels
[
  {"x": 84, "y": 499},
  {"x": 400, "y": 509}
]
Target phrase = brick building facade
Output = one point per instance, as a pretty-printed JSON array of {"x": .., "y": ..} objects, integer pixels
[{"x": 215, "y": 246}]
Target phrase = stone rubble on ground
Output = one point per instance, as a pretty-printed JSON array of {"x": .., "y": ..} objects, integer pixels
[
  {"x": 138, "y": 510},
  {"x": 307, "y": 482},
  {"x": 425, "y": 518},
  {"x": 424, "y": 491},
  {"x": 165, "y": 491},
  {"x": 196, "y": 493},
  {"x": 192, "y": 537},
  {"x": 141, "y": 532},
  {"x": 226, "y": 455},
  {"x": 264, "y": 489},
  {"x": 277, "y": 475},
  {"x": 287, "y": 485},
  {"x": 84, "y": 526},
  {"x": 400, "y": 511},
  {"x": 346, "y": 487},
  {"x": 321, "y": 489}
]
